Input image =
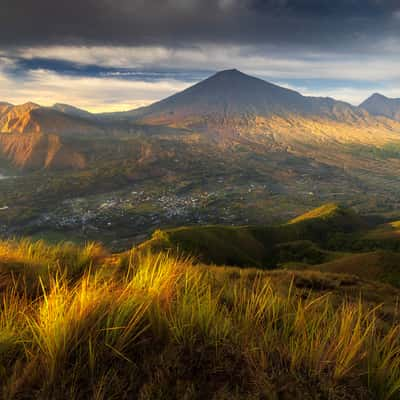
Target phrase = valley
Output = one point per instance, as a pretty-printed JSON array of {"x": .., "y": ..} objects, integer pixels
[
  {"x": 208, "y": 304},
  {"x": 120, "y": 210}
]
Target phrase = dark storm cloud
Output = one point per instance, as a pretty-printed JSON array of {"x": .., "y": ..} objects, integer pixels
[
  {"x": 312, "y": 23},
  {"x": 330, "y": 8}
]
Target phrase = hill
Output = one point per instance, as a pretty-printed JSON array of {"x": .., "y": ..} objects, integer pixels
[
  {"x": 378, "y": 104},
  {"x": 300, "y": 240},
  {"x": 72, "y": 111},
  {"x": 329, "y": 239},
  {"x": 34, "y": 151},
  {"x": 32, "y": 137},
  {"x": 338, "y": 217},
  {"x": 77, "y": 323},
  {"x": 32, "y": 118},
  {"x": 378, "y": 265}
]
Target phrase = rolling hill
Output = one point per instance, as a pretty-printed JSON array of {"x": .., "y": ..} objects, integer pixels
[
  {"x": 262, "y": 246},
  {"x": 379, "y": 265},
  {"x": 329, "y": 239}
]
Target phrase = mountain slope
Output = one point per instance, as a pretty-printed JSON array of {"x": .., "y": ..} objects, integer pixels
[
  {"x": 32, "y": 137},
  {"x": 37, "y": 151},
  {"x": 32, "y": 118},
  {"x": 378, "y": 104},
  {"x": 231, "y": 93},
  {"x": 231, "y": 107},
  {"x": 229, "y": 110},
  {"x": 72, "y": 111}
]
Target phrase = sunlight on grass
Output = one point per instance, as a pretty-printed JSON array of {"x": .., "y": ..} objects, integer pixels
[{"x": 139, "y": 325}]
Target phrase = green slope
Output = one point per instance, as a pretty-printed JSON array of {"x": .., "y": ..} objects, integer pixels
[
  {"x": 381, "y": 265},
  {"x": 300, "y": 240}
]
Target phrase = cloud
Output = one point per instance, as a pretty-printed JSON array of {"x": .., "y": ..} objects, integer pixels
[
  {"x": 91, "y": 93},
  {"x": 112, "y": 41},
  {"x": 345, "y": 24},
  {"x": 117, "y": 91},
  {"x": 265, "y": 61},
  {"x": 107, "y": 78}
]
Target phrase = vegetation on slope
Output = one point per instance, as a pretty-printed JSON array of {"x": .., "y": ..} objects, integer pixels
[
  {"x": 157, "y": 327},
  {"x": 329, "y": 238},
  {"x": 326, "y": 211},
  {"x": 263, "y": 246},
  {"x": 378, "y": 265}
]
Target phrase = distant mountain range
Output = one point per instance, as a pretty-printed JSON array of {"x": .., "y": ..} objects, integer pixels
[
  {"x": 228, "y": 108},
  {"x": 227, "y": 94}
]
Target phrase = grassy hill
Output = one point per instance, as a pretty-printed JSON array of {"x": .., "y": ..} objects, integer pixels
[
  {"x": 330, "y": 211},
  {"x": 329, "y": 238},
  {"x": 78, "y": 323},
  {"x": 377, "y": 265},
  {"x": 263, "y": 246}
]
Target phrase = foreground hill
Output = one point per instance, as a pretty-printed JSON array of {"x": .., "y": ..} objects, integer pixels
[
  {"x": 329, "y": 238},
  {"x": 379, "y": 265},
  {"x": 79, "y": 324}
]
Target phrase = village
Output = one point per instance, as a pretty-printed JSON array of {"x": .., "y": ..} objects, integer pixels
[{"x": 143, "y": 210}]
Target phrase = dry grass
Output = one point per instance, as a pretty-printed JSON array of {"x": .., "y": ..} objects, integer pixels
[
  {"x": 158, "y": 327},
  {"x": 324, "y": 211}
]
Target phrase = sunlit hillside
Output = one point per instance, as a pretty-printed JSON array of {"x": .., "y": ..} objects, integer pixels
[{"x": 78, "y": 323}]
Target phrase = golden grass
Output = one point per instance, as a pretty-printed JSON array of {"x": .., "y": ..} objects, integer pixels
[
  {"x": 325, "y": 210},
  {"x": 388, "y": 231},
  {"x": 159, "y": 327}
]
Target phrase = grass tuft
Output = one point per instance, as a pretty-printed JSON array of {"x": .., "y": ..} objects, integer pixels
[{"x": 150, "y": 326}]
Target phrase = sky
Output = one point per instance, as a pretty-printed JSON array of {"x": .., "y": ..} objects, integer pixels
[{"x": 111, "y": 55}]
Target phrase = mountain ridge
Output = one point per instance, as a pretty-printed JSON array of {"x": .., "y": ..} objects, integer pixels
[
  {"x": 378, "y": 104},
  {"x": 231, "y": 92},
  {"x": 224, "y": 110}
]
